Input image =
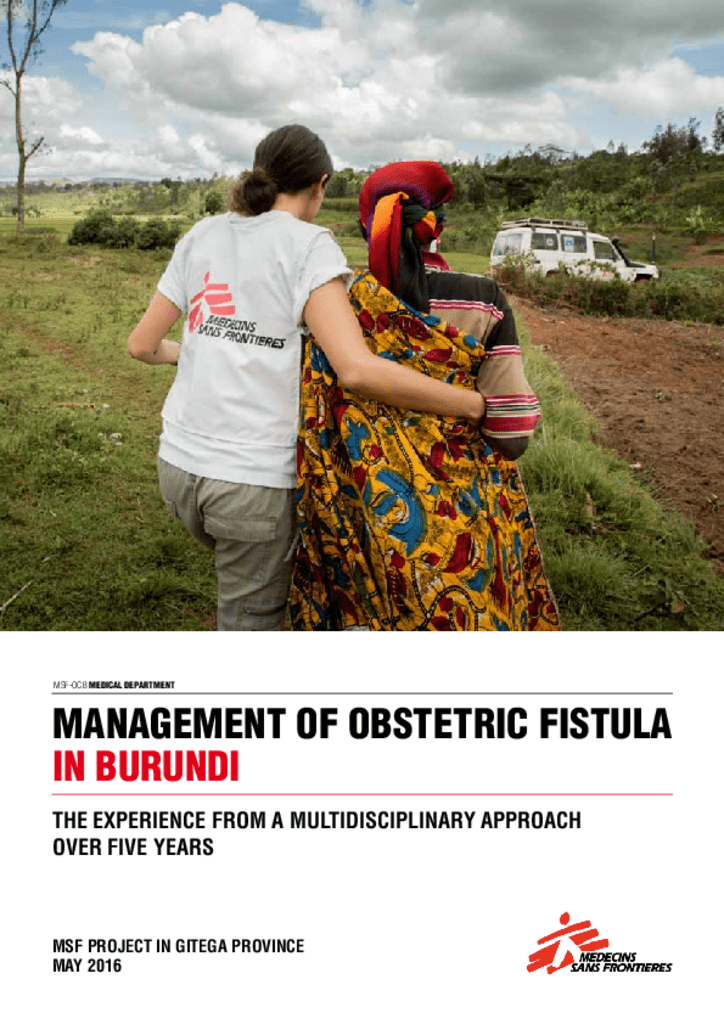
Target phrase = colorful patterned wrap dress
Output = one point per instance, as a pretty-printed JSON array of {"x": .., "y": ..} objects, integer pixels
[{"x": 408, "y": 521}]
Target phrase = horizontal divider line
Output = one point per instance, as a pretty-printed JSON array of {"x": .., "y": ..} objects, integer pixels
[{"x": 361, "y": 794}]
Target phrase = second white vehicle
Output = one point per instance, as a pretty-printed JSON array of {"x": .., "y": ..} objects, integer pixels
[{"x": 553, "y": 246}]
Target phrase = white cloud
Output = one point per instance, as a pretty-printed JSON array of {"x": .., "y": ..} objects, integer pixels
[
  {"x": 363, "y": 80},
  {"x": 112, "y": 57},
  {"x": 175, "y": 151},
  {"x": 150, "y": 158},
  {"x": 232, "y": 63},
  {"x": 78, "y": 150},
  {"x": 111, "y": 162},
  {"x": 389, "y": 80},
  {"x": 39, "y": 96},
  {"x": 73, "y": 136},
  {"x": 669, "y": 87}
]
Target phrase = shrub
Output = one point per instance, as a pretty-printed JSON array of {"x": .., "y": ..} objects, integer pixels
[
  {"x": 604, "y": 298},
  {"x": 101, "y": 228},
  {"x": 124, "y": 234},
  {"x": 97, "y": 228},
  {"x": 514, "y": 273},
  {"x": 698, "y": 224},
  {"x": 158, "y": 234},
  {"x": 685, "y": 298}
]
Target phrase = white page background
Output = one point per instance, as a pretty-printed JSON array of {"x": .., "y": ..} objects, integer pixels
[{"x": 415, "y": 924}]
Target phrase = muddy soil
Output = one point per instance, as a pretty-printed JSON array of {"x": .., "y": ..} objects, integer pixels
[{"x": 656, "y": 389}]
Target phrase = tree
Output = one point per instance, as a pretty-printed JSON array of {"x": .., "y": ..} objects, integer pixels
[
  {"x": 673, "y": 153},
  {"x": 214, "y": 203},
  {"x": 551, "y": 154},
  {"x": 345, "y": 183},
  {"x": 717, "y": 135},
  {"x": 25, "y": 23}
]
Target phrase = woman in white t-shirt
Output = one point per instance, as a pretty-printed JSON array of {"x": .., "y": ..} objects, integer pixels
[{"x": 249, "y": 283}]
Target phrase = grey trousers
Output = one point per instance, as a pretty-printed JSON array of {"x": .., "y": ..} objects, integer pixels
[{"x": 252, "y": 531}]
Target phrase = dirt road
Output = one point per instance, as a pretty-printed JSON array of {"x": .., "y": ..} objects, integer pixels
[{"x": 656, "y": 388}]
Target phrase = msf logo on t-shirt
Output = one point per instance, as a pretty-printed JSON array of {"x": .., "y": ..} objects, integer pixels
[{"x": 218, "y": 300}]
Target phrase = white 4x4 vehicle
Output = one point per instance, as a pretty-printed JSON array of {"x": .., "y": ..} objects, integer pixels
[{"x": 568, "y": 245}]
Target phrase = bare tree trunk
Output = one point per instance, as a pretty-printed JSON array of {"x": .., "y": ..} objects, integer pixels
[
  {"x": 37, "y": 21},
  {"x": 22, "y": 159}
]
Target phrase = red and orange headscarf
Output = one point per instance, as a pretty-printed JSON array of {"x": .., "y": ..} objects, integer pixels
[{"x": 398, "y": 214}]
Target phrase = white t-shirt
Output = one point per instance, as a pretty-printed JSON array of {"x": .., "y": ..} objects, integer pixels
[{"x": 233, "y": 411}]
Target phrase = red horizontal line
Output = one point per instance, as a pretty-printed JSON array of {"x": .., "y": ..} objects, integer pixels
[{"x": 207, "y": 793}]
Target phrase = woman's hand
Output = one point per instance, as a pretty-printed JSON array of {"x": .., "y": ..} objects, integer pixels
[{"x": 477, "y": 418}]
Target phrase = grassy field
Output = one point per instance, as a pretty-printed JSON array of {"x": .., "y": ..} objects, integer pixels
[
  {"x": 82, "y": 525},
  {"x": 86, "y": 544}
]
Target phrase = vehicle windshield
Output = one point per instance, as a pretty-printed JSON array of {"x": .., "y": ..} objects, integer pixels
[{"x": 617, "y": 246}]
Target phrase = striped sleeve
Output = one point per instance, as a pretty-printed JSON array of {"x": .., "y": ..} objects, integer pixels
[
  {"x": 477, "y": 305},
  {"x": 511, "y": 407}
]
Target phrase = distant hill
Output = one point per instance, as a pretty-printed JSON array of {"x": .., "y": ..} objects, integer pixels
[
  {"x": 55, "y": 182},
  {"x": 117, "y": 181}
]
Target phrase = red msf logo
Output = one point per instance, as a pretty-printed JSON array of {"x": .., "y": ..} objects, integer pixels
[
  {"x": 561, "y": 948},
  {"x": 217, "y": 297}
]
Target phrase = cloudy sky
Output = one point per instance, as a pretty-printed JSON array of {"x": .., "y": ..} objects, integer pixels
[{"x": 188, "y": 90}]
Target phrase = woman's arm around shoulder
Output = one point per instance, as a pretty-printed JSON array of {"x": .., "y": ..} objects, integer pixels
[
  {"x": 147, "y": 341},
  {"x": 332, "y": 321}
]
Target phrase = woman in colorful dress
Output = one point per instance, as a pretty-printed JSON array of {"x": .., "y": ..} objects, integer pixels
[{"x": 413, "y": 521}]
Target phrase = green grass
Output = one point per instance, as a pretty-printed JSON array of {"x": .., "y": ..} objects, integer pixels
[
  {"x": 83, "y": 529},
  {"x": 86, "y": 544}
]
